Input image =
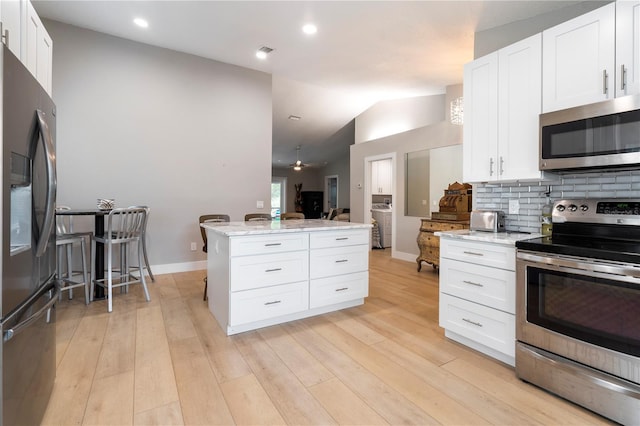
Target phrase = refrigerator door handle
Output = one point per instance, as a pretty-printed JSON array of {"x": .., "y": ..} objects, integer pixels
[
  {"x": 49, "y": 151},
  {"x": 13, "y": 331}
]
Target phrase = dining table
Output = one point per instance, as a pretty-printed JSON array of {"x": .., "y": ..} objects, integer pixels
[{"x": 98, "y": 265}]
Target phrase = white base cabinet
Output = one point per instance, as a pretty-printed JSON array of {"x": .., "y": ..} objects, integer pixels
[
  {"x": 477, "y": 296},
  {"x": 259, "y": 280}
]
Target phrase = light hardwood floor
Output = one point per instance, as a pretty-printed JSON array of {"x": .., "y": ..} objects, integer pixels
[{"x": 386, "y": 362}]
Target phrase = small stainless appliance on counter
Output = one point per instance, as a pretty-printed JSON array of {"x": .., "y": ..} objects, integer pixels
[{"x": 487, "y": 221}]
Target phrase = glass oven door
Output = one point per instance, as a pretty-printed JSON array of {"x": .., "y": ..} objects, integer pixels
[{"x": 586, "y": 299}]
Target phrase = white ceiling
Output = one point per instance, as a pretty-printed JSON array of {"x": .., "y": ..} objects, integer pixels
[{"x": 364, "y": 51}]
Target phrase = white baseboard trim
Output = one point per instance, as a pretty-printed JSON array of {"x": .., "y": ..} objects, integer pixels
[
  {"x": 172, "y": 268},
  {"x": 409, "y": 257}
]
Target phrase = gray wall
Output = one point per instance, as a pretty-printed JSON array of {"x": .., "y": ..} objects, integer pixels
[
  {"x": 407, "y": 227},
  {"x": 144, "y": 125}
]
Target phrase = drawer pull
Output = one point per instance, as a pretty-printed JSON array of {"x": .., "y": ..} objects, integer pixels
[
  {"x": 342, "y": 289},
  {"x": 472, "y": 283},
  {"x": 272, "y": 244},
  {"x": 342, "y": 238},
  {"x": 472, "y": 322},
  {"x": 342, "y": 260},
  {"x": 273, "y": 303},
  {"x": 273, "y": 270},
  {"x": 473, "y": 253}
]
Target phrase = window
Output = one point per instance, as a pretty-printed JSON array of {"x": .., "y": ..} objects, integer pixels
[{"x": 278, "y": 196}]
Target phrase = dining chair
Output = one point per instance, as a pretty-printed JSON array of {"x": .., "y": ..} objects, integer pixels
[
  {"x": 209, "y": 218},
  {"x": 292, "y": 215},
  {"x": 123, "y": 227},
  {"x": 251, "y": 217},
  {"x": 143, "y": 241},
  {"x": 66, "y": 239}
]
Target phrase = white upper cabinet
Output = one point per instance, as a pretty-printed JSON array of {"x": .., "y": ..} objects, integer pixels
[
  {"x": 37, "y": 48},
  {"x": 593, "y": 57},
  {"x": 627, "y": 47},
  {"x": 28, "y": 39},
  {"x": 381, "y": 177},
  {"x": 502, "y": 98},
  {"x": 10, "y": 13}
]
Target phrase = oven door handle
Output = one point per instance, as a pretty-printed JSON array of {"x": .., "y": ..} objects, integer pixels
[{"x": 626, "y": 272}]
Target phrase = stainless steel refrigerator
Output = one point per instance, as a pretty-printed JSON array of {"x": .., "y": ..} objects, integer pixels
[{"x": 28, "y": 287}]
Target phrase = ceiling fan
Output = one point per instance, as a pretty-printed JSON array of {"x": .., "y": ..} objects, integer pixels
[{"x": 298, "y": 165}]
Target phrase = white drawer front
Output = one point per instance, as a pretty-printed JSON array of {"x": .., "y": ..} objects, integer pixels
[
  {"x": 490, "y": 327},
  {"x": 263, "y": 303},
  {"x": 339, "y": 238},
  {"x": 249, "y": 272},
  {"x": 261, "y": 244},
  {"x": 486, "y": 254},
  {"x": 327, "y": 291},
  {"x": 491, "y": 287},
  {"x": 337, "y": 261}
]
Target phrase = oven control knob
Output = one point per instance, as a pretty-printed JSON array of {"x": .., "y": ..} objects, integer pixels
[
  {"x": 560, "y": 207},
  {"x": 573, "y": 207},
  {"x": 584, "y": 207}
]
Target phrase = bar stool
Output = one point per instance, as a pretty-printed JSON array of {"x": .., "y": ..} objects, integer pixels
[
  {"x": 124, "y": 226},
  {"x": 65, "y": 240},
  {"x": 209, "y": 218},
  {"x": 143, "y": 241},
  {"x": 251, "y": 217}
]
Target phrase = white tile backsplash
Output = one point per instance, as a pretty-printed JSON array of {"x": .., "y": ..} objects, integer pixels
[{"x": 531, "y": 195}]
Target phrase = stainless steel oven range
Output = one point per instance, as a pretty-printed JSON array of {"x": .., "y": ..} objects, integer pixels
[{"x": 578, "y": 307}]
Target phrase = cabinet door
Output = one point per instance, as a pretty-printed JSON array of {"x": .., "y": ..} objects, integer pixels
[
  {"x": 627, "y": 47},
  {"x": 37, "y": 49},
  {"x": 10, "y": 16},
  {"x": 381, "y": 177},
  {"x": 578, "y": 60},
  {"x": 519, "y": 105},
  {"x": 480, "y": 130}
]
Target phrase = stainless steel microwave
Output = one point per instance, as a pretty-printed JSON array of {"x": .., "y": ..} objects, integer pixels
[{"x": 595, "y": 136}]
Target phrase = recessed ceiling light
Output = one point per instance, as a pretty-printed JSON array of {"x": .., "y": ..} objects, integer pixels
[
  {"x": 263, "y": 52},
  {"x": 142, "y": 23},
  {"x": 309, "y": 29}
]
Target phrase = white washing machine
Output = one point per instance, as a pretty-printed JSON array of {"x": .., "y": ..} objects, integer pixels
[{"x": 382, "y": 214}]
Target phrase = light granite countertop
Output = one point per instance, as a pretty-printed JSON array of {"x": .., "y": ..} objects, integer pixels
[
  {"x": 507, "y": 238},
  {"x": 276, "y": 226}
]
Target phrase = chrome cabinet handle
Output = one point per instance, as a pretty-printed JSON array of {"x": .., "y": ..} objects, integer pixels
[
  {"x": 605, "y": 82},
  {"x": 273, "y": 303},
  {"x": 473, "y": 253},
  {"x": 491, "y": 166},
  {"x": 501, "y": 165},
  {"x": 472, "y": 322},
  {"x": 342, "y": 289},
  {"x": 273, "y": 270},
  {"x": 272, "y": 244},
  {"x": 342, "y": 238},
  {"x": 342, "y": 260},
  {"x": 623, "y": 77},
  {"x": 472, "y": 283}
]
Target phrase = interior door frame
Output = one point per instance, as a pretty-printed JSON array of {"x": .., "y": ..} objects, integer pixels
[
  {"x": 326, "y": 187},
  {"x": 368, "y": 193}
]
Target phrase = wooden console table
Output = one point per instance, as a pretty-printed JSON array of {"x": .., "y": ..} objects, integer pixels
[{"x": 429, "y": 244}]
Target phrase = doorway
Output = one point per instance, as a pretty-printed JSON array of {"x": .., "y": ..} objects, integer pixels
[
  {"x": 331, "y": 189},
  {"x": 370, "y": 189},
  {"x": 278, "y": 196}
]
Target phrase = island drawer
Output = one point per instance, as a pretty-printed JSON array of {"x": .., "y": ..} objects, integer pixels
[
  {"x": 332, "y": 290},
  {"x": 257, "y": 271},
  {"x": 337, "y": 261},
  {"x": 261, "y": 244},
  {"x": 264, "y": 303},
  {"x": 339, "y": 238}
]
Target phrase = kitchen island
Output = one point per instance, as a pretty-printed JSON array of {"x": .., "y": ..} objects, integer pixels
[{"x": 268, "y": 272}]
